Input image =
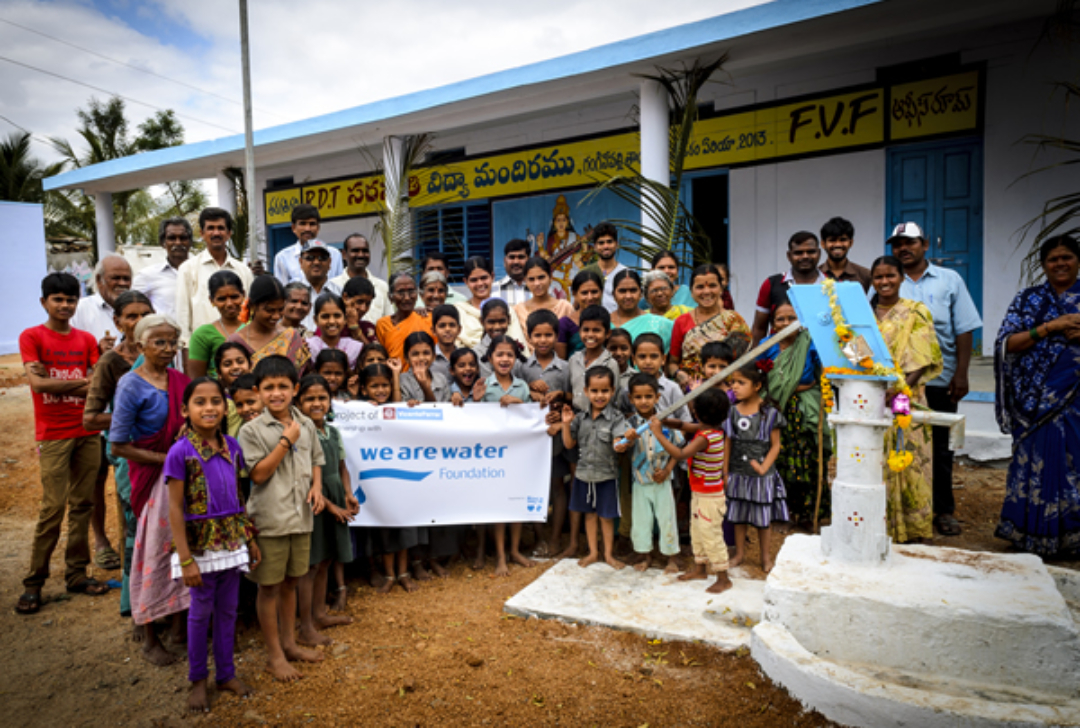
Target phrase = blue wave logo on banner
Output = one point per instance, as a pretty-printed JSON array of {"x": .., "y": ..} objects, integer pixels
[{"x": 412, "y": 475}]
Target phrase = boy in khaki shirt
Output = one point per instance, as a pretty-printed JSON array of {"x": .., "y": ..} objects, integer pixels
[{"x": 285, "y": 463}]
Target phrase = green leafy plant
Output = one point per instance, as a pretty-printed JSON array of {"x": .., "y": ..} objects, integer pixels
[{"x": 666, "y": 222}]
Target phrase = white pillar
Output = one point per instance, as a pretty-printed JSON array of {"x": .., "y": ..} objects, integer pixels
[
  {"x": 655, "y": 125},
  {"x": 858, "y": 532},
  {"x": 226, "y": 193},
  {"x": 106, "y": 227},
  {"x": 397, "y": 201}
]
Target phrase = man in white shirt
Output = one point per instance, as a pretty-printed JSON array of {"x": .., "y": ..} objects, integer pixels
[
  {"x": 158, "y": 282},
  {"x": 512, "y": 288},
  {"x": 193, "y": 307},
  {"x": 112, "y": 276},
  {"x": 606, "y": 245},
  {"x": 305, "y": 226},
  {"x": 357, "y": 259}
]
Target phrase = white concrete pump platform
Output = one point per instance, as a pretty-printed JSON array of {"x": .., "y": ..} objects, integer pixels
[
  {"x": 651, "y": 603},
  {"x": 932, "y": 637}
]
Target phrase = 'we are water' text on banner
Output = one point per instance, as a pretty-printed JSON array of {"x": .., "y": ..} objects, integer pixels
[{"x": 437, "y": 465}]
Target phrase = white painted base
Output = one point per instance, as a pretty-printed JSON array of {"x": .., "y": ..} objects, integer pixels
[
  {"x": 651, "y": 603},
  {"x": 934, "y": 636}
]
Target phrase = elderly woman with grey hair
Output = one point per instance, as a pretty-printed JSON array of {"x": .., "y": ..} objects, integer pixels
[
  {"x": 433, "y": 289},
  {"x": 659, "y": 289},
  {"x": 147, "y": 417}
]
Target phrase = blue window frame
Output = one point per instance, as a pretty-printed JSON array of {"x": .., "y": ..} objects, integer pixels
[{"x": 457, "y": 231}]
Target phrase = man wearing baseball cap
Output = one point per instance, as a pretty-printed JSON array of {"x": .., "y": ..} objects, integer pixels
[
  {"x": 305, "y": 226},
  {"x": 955, "y": 320},
  {"x": 315, "y": 266}
]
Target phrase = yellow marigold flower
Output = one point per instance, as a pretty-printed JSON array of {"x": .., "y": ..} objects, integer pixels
[{"x": 903, "y": 421}]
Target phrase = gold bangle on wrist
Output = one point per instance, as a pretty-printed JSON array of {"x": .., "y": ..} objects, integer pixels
[{"x": 187, "y": 562}]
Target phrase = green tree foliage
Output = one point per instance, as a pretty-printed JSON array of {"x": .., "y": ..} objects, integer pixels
[
  {"x": 20, "y": 172},
  {"x": 104, "y": 136}
]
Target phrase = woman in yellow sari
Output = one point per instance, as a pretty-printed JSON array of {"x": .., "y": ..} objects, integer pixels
[
  {"x": 908, "y": 330},
  {"x": 264, "y": 334}
]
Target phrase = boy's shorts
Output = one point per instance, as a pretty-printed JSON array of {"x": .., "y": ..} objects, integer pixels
[
  {"x": 282, "y": 556},
  {"x": 601, "y": 498},
  {"x": 560, "y": 466}
]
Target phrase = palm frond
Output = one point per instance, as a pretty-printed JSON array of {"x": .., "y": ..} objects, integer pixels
[{"x": 666, "y": 222}]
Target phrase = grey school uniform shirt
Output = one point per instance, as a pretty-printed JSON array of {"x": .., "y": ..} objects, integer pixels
[
  {"x": 557, "y": 377},
  {"x": 411, "y": 389},
  {"x": 577, "y": 376},
  {"x": 279, "y": 506},
  {"x": 669, "y": 393},
  {"x": 596, "y": 440}
]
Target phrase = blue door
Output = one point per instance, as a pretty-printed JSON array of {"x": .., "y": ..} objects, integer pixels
[{"x": 939, "y": 185}]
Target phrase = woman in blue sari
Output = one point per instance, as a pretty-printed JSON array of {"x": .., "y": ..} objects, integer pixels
[{"x": 1037, "y": 366}]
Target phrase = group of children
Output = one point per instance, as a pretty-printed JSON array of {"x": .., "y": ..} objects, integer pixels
[{"x": 258, "y": 480}]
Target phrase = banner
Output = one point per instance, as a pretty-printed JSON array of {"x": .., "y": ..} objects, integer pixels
[
  {"x": 438, "y": 465},
  {"x": 937, "y": 106}
]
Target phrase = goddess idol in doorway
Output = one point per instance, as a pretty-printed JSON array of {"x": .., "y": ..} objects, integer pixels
[{"x": 566, "y": 252}]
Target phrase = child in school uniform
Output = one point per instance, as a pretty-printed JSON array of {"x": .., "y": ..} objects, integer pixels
[
  {"x": 652, "y": 467},
  {"x": 708, "y": 451},
  {"x": 620, "y": 346},
  {"x": 594, "y": 323},
  {"x": 595, "y": 491},
  {"x": 446, "y": 325},
  {"x": 506, "y": 389},
  {"x": 465, "y": 382},
  {"x": 357, "y": 295},
  {"x": 373, "y": 353},
  {"x": 495, "y": 319},
  {"x": 421, "y": 383},
  {"x": 285, "y": 461},
  {"x": 213, "y": 538},
  {"x": 330, "y": 540},
  {"x": 548, "y": 378}
]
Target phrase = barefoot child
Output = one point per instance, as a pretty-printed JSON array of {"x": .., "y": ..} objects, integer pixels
[
  {"x": 213, "y": 539},
  {"x": 755, "y": 490},
  {"x": 595, "y": 491},
  {"x": 653, "y": 496},
  {"x": 506, "y": 389},
  {"x": 619, "y": 345},
  {"x": 285, "y": 461},
  {"x": 549, "y": 380},
  {"x": 708, "y": 453},
  {"x": 330, "y": 541}
]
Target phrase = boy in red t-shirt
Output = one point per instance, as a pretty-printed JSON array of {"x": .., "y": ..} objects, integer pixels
[{"x": 58, "y": 360}]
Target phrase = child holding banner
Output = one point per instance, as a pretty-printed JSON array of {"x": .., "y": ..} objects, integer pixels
[
  {"x": 330, "y": 540},
  {"x": 506, "y": 389},
  {"x": 421, "y": 383},
  {"x": 548, "y": 377}
]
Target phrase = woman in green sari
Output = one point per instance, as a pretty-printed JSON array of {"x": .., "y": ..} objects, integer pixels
[
  {"x": 908, "y": 330},
  {"x": 795, "y": 385},
  {"x": 629, "y": 316}
]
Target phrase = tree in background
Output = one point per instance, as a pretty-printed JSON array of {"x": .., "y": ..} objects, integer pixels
[
  {"x": 103, "y": 128},
  {"x": 20, "y": 172}
]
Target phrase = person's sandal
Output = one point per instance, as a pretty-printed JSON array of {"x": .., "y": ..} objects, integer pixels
[
  {"x": 108, "y": 559},
  {"x": 947, "y": 525},
  {"x": 29, "y": 603},
  {"x": 89, "y": 586}
]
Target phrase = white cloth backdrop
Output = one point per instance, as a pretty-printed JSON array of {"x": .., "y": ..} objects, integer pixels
[{"x": 436, "y": 464}]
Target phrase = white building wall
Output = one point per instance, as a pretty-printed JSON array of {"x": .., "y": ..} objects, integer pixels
[{"x": 771, "y": 202}]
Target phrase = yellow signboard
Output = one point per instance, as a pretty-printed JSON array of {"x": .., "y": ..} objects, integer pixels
[
  {"x": 811, "y": 126},
  {"x": 806, "y": 127},
  {"x": 937, "y": 106}
]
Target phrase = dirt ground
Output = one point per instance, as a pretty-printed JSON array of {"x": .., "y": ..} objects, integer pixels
[{"x": 444, "y": 655}]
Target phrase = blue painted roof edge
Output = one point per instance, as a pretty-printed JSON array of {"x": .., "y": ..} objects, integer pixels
[{"x": 658, "y": 43}]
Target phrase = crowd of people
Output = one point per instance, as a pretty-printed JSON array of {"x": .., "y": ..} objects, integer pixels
[{"x": 214, "y": 389}]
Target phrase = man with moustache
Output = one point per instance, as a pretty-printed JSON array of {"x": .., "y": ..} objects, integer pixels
[
  {"x": 193, "y": 307},
  {"x": 803, "y": 255},
  {"x": 357, "y": 260},
  {"x": 158, "y": 282}
]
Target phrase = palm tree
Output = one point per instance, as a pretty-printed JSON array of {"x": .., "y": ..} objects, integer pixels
[
  {"x": 403, "y": 155},
  {"x": 20, "y": 172},
  {"x": 668, "y": 223}
]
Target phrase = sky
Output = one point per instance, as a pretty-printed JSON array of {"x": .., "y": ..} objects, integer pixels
[{"x": 307, "y": 58}]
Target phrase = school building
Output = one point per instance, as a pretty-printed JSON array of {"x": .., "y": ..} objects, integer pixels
[{"x": 879, "y": 111}]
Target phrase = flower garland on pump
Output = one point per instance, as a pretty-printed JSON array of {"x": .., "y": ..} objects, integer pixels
[{"x": 858, "y": 352}]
